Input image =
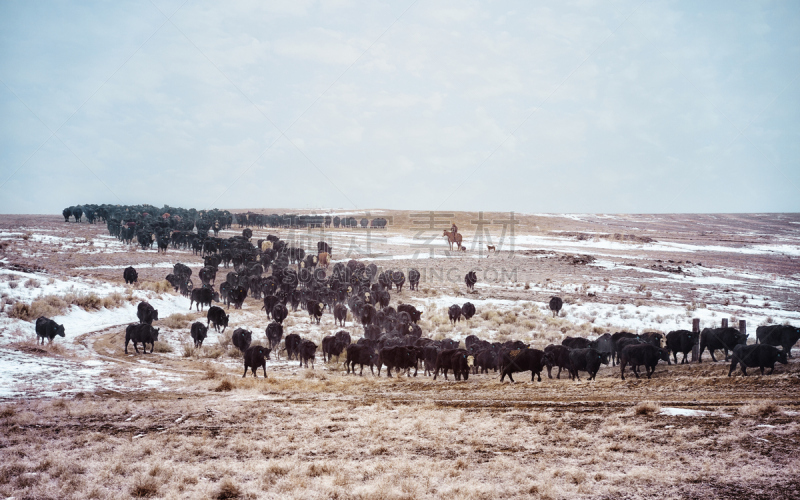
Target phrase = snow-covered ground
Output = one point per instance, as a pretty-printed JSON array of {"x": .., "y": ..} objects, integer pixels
[
  {"x": 23, "y": 374},
  {"x": 26, "y": 372},
  {"x": 79, "y": 367}
]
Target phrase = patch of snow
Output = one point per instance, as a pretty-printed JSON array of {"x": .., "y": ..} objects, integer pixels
[
  {"x": 683, "y": 412},
  {"x": 28, "y": 375}
]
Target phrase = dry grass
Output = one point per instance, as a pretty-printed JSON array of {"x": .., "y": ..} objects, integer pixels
[
  {"x": 144, "y": 486},
  {"x": 224, "y": 386},
  {"x": 49, "y": 306},
  {"x": 52, "y": 305},
  {"x": 87, "y": 301},
  {"x": 177, "y": 321},
  {"x": 647, "y": 408},
  {"x": 761, "y": 409},
  {"x": 228, "y": 490},
  {"x": 371, "y": 445},
  {"x": 162, "y": 347},
  {"x": 159, "y": 287}
]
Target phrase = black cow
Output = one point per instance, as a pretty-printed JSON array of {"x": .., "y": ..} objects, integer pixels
[
  {"x": 398, "y": 279},
  {"x": 641, "y": 354},
  {"x": 66, "y": 213},
  {"x": 130, "y": 275},
  {"x": 225, "y": 293},
  {"x": 458, "y": 360},
  {"x": 577, "y": 343},
  {"x": 681, "y": 341},
  {"x": 757, "y": 355},
  {"x": 254, "y": 357},
  {"x": 588, "y": 360},
  {"x": 292, "y": 344},
  {"x": 331, "y": 346},
  {"x": 486, "y": 360},
  {"x": 269, "y": 304},
  {"x": 449, "y": 344},
  {"x": 625, "y": 342},
  {"x": 201, "y": 297},
  {"x": 279, "y": 313},
  {"x": 141, "y": 332},
  {"x": 383, "y": 298},
  {"x": 361, "y": 354},
  {"x": 555, "y": 305},
  {"x": 522, "y": 360},
  {"x": 46, "y": 328},
  {"x": 339, "y": 314},
  {"x": 557, "y": 355},
  {"x": 399, "y": 358},
  {"x": 454, "y": 313},
  {"x": 655, "y": 338},
  {"x": 274, "y": 334},
  {"x": 785, "y": 336},
  {"x": 472, "y": 340},
  {"x": 720, "y": 338},
  {"x": 429, "y": 355},
  {"x": 217, "y": 316},
  {"x": 605, "y": 344},
  {"x": 372, "y": 332},
  {"x": 343, "y": 336},
  {"x": 470, "y": 279},
  {"x": 314, "y": 308},
  {"x": 237, "y": 296},
  {"x": 242, "y": 338},
  {"x": 199, "y": 333},
  {"x": 411, "y": 310},
  {"x": 146, "y": 313},
  {"x": 413, "y": 279},
  {"x": 615, "y": 338},
  {"x": 307, "y": 351},
  {"x": 207, "y": 275},
  {"x": 367, "y": 314},
  {"x": 468, "y": 310}
]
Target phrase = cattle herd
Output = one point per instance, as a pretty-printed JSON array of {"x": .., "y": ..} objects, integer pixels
[{"x": 285, "y": 277}]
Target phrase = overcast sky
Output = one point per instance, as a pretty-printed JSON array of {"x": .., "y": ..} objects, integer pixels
[{"x": 526, "y": 106}]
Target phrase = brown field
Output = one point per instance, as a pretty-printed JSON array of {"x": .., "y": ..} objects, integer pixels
[{"x": 182, "y": 423}]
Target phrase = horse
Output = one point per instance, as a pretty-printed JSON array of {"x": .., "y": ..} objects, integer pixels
[
  {"x": 452, "y": 237},
  {"x": 491, "y": 248}
]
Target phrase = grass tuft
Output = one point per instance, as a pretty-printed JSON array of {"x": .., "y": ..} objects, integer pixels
[
  {"x": 176, "y": 321},
  {"x": 647, "y": 408},
  {"x": 761, "y": 409},
  {"x": 144, "y": 487},
  {"x": 162, "y": 347},
  {"x": 224, "y": 386},
  {"x": 48, "y": 306},
  {"x": 228, "y": 490},
  {"x": 162, "y": 286}
]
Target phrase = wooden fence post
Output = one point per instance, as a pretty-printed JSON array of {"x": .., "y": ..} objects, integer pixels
[
  {"x": 724, "y": 322},
  {"x": 696, "y": 346},
  {"x": 743, "y": 326}
]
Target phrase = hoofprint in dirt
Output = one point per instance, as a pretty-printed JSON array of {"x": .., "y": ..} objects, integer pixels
[{"x": 305, "y": 432}]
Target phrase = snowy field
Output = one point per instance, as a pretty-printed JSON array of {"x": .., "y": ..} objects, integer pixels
[{"x": 79, "y": 414}]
